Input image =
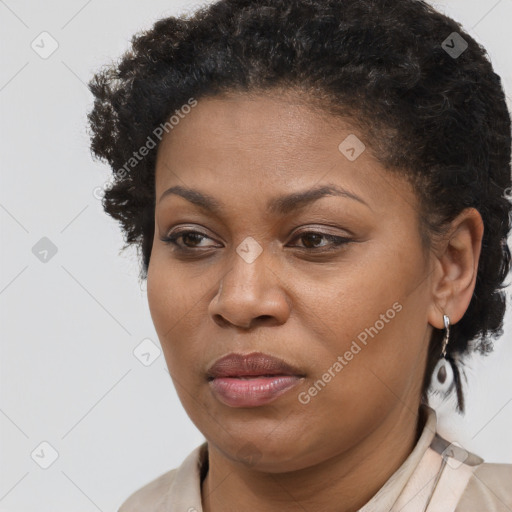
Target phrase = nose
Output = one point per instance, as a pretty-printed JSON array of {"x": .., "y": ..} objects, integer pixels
[{"x": 250, "y": 293}]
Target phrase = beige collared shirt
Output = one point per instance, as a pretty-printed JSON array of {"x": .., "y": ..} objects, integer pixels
[{"x": 436, "y": 470}]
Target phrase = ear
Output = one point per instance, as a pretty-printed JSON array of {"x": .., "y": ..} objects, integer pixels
[{"x": 456, "y": 267}]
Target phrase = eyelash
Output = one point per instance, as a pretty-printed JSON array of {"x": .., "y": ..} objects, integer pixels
[{"x": 337, "y": 241}]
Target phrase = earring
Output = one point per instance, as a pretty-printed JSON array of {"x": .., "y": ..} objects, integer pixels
[{"x": 443, "y": 372}]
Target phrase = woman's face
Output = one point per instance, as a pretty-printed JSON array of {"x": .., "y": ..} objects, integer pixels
[{"x": 352, "y": 318}]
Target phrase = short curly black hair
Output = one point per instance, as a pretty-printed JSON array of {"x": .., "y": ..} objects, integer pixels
[{"x": 426, "y": 98}]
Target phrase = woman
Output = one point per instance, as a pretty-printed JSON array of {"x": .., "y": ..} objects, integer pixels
[{"x": 318, "y": 189}]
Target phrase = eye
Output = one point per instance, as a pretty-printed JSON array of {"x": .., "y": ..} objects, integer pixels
[
  {"x": 312, "y": 238},
  {"x": 190, "y": 240},
  {"x": 192, "y": 236}
]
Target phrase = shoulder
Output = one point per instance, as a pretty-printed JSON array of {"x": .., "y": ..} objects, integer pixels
[
  {"x": 489, "y": 489},
  {"x": 147, "y": 497}
]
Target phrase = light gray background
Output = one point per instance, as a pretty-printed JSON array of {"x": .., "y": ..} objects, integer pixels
[{"x": 69, "y": 376}]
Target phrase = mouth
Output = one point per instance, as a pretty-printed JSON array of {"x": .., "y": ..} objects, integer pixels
[{"x": 251, "y": 380}]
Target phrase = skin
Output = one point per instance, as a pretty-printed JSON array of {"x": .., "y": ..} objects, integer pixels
[{"x": 335, "y": 452}]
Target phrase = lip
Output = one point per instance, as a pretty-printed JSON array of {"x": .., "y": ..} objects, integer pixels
[
  {"x": 251, "y": 380},
  {"x": 254, "y": 364}
]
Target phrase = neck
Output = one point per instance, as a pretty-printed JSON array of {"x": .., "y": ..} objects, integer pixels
[{"x": 342, "y": 483}]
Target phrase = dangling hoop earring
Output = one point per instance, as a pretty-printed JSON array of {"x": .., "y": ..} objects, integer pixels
[{"x": 443, "y": 372}]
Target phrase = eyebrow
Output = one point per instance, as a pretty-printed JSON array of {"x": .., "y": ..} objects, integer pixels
[{"x": 279, "y": 206}]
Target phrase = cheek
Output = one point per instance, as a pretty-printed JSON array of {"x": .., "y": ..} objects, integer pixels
[
  {"x": 173, "y": 303},
  {"x": 171, "y": 292},
  {"x": 367, "y": 320}
]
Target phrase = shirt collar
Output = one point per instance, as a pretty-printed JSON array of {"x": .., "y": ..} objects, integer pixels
[
  {"x": 391, "y": 490},
  {"x": 184, "y": 493}
]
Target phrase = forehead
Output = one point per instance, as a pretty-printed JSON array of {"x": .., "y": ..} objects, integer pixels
[
  {"x": 252, "y": 123},
  {"x": 267, "y": 143}
]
